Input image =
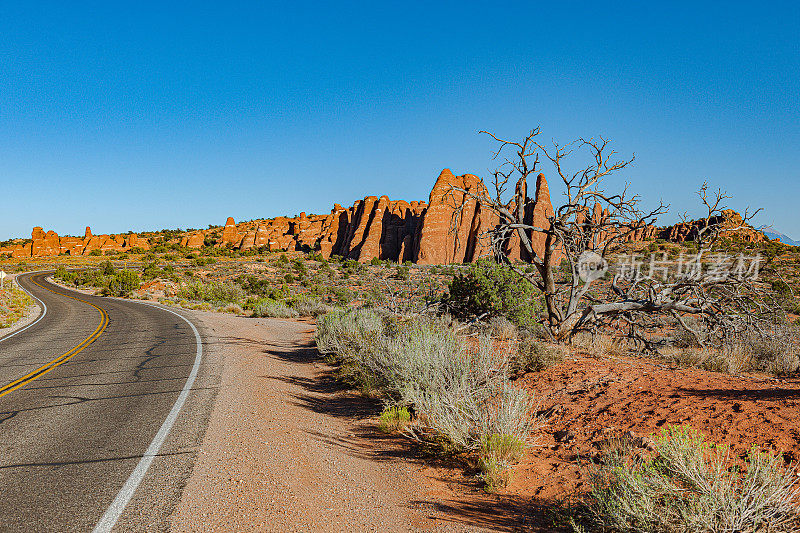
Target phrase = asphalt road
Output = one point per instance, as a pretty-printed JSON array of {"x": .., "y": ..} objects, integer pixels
[{"x": 83, "y": 394}]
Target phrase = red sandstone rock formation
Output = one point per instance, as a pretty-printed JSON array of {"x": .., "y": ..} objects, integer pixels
[
  {"x": 44, "y": 244},
  {"x": 443, "y": 237},
  {"x": 229, "y": 232},
  {"x": 195, "y": 240},
  {"x": 378, "y": 227},
  {"x": 732, "y": 224},
  {"x": 134, "y": 241}
]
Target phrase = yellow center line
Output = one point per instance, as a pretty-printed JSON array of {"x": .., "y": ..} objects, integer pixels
[{"x": 61, "y": 359}]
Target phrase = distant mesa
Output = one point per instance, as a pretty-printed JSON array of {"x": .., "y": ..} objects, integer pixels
[
  {"x": 377, "y": 227},
  {"x": 773, "y": 234}
]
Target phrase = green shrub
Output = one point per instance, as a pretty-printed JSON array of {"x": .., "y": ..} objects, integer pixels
[
  {"x": 491, "y": 289},
  {"x": 214, "y": 292},
  {"x": 352, "y": 266},
  {"x": 107, "y": 268},
  {"x": 691, "y": 485},
  {"x": 402, "y": 272},
  {"x": 61, "y": 273},
  {"x": 151, "y": 270},
  {"x": 300, "y": 267},
  {"x": 203, "y": 261},
  {"x": 343, "y": 295},
  {"x": 124, "y": 282},
  {"x": 394, "y": 418},
  {"x": 95, "y": 253}
]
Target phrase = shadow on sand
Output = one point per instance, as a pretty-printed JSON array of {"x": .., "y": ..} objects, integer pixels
[{"x": 326, "y": 395}]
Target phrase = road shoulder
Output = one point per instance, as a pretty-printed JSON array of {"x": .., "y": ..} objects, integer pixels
[{"x": 287, "y": 450}]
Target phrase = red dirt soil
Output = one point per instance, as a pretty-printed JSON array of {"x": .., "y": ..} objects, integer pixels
[{"x": 596, "y": 399}]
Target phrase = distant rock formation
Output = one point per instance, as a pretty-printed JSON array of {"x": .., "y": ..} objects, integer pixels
[
  {"x": 229, "y": 233},
  {"x": 49, "y": 244},
  {"x": 447, "y": 229},
  {"x": 730, "y": 220}
]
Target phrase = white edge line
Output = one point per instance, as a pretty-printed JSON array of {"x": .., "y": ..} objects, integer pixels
[
  {"x": 42, "y": 306},
  {"x": 125, "y": 494}
]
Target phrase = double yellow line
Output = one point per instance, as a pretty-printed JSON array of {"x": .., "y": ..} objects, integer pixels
[{"x": 61, "y": 359}]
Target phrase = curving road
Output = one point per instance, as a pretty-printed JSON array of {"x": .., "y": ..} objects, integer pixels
[{"x": 96, "y": 409}]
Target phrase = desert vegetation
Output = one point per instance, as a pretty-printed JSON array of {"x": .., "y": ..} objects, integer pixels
[
  {"x": 686, "y": 483},
  {"x": 110, "y": 281},
  {"x": 460, "y": 392},
  {"x": 14, "y": 302}
]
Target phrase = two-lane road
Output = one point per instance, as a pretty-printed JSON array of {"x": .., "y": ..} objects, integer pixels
[{"x": 85, "y": 394}]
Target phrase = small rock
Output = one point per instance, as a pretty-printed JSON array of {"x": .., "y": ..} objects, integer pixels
[{"x": 564, "y": 435}]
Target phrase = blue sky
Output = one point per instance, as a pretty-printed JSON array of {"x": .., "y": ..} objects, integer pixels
[{"x": 150, "y": 116}]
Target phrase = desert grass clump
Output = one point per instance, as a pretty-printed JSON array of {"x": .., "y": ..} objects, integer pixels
[
  {"x": 691, "y": 485},
  {"x": 532, "y": 355},
  {"x": 508, "y": 448},
  {"x": 234, "y": 309},
  {"x": 394, "y": 418},
  {"x": 312, "y": 307},
  {"x": 269, "y": 308},
  {"x": 502, "y": 328},
  {"x": 775, "y": 352},
  {"x": 461, "y": 391},
  {"x": 495, "y": 473},
  {"x": 345, "y": 334},
  {"x": 351, "y": 340},
  {"x": 498, "y": 452}
]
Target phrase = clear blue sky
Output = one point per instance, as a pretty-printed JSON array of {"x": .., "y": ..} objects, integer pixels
[{"x": 152, "y": 116}]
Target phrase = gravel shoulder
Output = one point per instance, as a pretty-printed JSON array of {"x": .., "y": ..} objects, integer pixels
[{"x": 287, "y": 450}]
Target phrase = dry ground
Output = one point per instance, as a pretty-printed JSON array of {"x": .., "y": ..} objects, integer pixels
[
  {"x": 591, "y": 400},
  {"x": 288, "y": 450}
]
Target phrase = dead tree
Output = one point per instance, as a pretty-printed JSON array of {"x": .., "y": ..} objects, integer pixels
[{"x": 588, "y": 226}]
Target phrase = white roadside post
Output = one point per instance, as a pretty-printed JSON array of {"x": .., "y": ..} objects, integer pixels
[{"x": 3, "y": 276}]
